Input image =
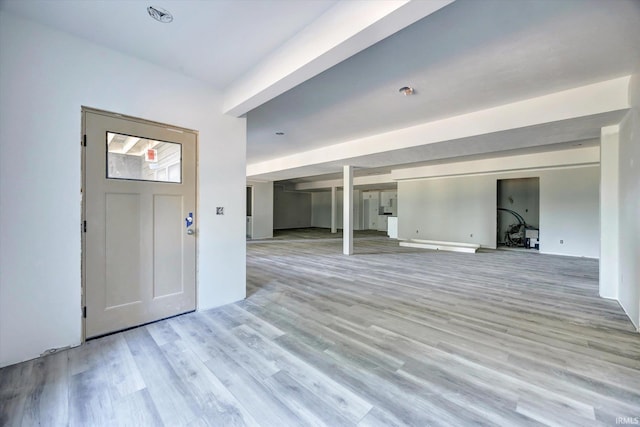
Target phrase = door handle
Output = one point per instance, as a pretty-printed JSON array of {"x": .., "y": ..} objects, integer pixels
[{"x": 188, "y": 222}]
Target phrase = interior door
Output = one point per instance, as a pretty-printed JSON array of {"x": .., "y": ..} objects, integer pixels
[{"x": 140, "y": 211}]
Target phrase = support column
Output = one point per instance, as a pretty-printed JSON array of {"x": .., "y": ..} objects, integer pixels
[
  {"x": 347, "y": 217},
  {"x": 609, "y": 208},
  {"x": 334, "y": 210}
]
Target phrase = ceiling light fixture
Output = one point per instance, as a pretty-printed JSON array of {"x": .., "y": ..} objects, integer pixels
[
  {"x": 406, "y": 90},
  {"x": 160, "y": 14}
]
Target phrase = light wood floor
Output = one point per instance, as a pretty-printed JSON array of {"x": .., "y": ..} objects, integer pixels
[{"x": 389, "y": 336}]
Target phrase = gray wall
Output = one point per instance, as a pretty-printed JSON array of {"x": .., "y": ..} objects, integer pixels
[
  {"x": 262, "y": 217},
  {"x": 463, "y": 209},
  {"x": 449, "y": 209},
  {"x": 570, "y": 211},
  {"x": 629, "y": 219},
  {"x": 321, "y": 209},
  {"x": 291, "y": 209}
]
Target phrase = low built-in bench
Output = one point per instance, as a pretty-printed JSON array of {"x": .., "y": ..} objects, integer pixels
[{"x": 441, "y": 246}]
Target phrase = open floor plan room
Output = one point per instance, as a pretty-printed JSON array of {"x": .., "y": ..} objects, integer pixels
[{"x": 388, "y": 336}]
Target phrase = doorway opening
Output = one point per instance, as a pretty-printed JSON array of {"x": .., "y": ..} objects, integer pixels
[{"x": 518, "y": 213}]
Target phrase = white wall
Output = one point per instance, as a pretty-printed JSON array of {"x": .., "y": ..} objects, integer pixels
[
  {"x": 569, "y": 211},
  {"x": 262, "y": 209},
  {"x": 609, "y": 268},
  {"x": 45, "y": 78},
  {"x": 455, "y": 208},
  {"x": 357, "y": 210},
  {"x": 629, "y": 214},
  {"x": 291, "y": 209},
  {"x": 340, "y": 211},
  {"x": 449, "y": 209},
  {"x": 372, "y": 205},
  {"x": 321, "y": 209}
]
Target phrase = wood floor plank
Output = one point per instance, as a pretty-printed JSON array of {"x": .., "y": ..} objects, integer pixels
[
  {"x": 136, "y": 409},
  {"x": 85, "y": 357},
  {"x": 379, "y": 418},
  {"x": 390, "y": 336},
  {"x": 15, "y": 387},
  {"x": 90, "y": 402},
  {"x": 436, "y": 408},
  {"x": 550, "y": 411},
  {"x": 387, "y": 398},
  {"x": 47, "y": 399},
  {"x": 122, "y": 371},
  {"x": 253, "y": 395},
  {"x": 521, "y": 379},
  {"x": 258, "y": 367},
  {"x": 162, "y": 333},
  {"x": 310, "y": 410},
  {"x": 263, "y": 328},
  {"x": 170, "y": 394},
  {"x": 350, "y": 405},
  {"x": 218, "y": 405}
]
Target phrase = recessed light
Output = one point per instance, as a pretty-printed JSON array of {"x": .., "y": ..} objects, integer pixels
[
  {"x": 279, "y": 133},
  {"x": 406, "y": 90},
  {"x": 160, "y": 14}
]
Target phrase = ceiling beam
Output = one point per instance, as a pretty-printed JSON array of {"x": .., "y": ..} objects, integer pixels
[
  {"x": 584, "y": 101},
  {"x": 572, "y": 157},
  {"x": 129, "y": 143},
  {"x": 344, "y": 30},
  {"x": 357, "y": 181}
]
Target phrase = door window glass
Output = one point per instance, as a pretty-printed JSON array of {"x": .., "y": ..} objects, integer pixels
[{"x": 131, "y": 157}]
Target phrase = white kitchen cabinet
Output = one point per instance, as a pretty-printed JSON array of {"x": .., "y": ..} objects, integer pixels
[
  {"x": 382, "y": 222},
  {"x": 392, "y": 227}
]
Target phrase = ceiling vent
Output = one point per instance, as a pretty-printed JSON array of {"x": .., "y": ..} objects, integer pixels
[{"x": 160, "y": 14}]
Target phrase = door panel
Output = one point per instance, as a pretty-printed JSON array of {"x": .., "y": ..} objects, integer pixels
[
  {"x": 122, "y": 248},
  {"x": 167, "y": 245},
  {"x": 140, "y": 255}
]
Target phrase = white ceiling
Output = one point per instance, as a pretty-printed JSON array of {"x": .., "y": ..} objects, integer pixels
[
  {"x": 460, "y": 57},
  {"x": 216, "y": 41},
  {"x": 468, "y": 56}
]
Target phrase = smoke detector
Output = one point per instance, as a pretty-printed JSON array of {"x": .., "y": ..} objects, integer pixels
[{"x": 160, "y": 14}]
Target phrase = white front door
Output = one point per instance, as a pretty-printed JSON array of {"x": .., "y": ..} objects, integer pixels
[{"x": 139, "y": 257}]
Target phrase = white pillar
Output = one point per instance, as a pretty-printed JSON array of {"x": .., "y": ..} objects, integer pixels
[
  {"x": 334, "y": 210},
  {"x": 609, "y": 208},
  {"x": 347, "y": 217}
]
